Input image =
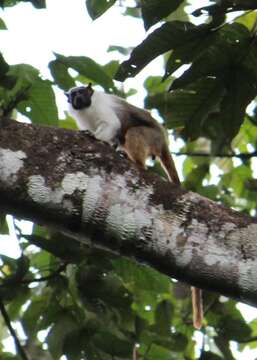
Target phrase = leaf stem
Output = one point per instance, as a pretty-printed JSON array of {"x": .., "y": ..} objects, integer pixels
[{"x": 7, "y": 321}]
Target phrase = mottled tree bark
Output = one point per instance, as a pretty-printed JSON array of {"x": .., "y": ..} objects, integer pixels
[{"x": 81, "y": 186}]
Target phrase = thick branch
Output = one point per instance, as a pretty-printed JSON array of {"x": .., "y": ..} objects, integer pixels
[{"x": 84, "y": 188}]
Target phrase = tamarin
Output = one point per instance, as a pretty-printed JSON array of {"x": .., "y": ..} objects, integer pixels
[{"x": 112, "y": 119}]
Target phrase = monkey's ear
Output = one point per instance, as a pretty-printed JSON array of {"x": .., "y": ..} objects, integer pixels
[{"x": 89, "y": 88}]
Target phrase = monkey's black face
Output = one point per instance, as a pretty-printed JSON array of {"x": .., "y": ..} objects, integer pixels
[{"x": 80, "y": 97}]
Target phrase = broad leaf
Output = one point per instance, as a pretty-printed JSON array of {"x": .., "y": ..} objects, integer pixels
[
  {"x": 155, "y": 10},
  {"x": 226, "y": 46},
  {"x": 4, "y": 67},
  {"x": 59, "y": 331},
  {"x": 112, "y": 344},
  {"x": 84, "y": 66},
  {"x": 4, "y": 229},
  {"x": 40, "y": 105},
  {"x": 2, "y": 25},
  {"x": 163, "y": 314},
  {"x": 96, "y": 8},
  {"x": 61, "y": 75},
  {"x": 189, "y": 107},
  {"x": 38, "y": 4},
  {"x": 167, "y": 37}
]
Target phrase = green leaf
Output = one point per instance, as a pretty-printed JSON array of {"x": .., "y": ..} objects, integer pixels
[
  {"x": 59, "y": 331},
  {"x": 163, "y": 314},
  {"x": 31, "y": 95},
  {"x": 148, "y": 286},
  {"x": 141, "y": 277},
  {"x": 2, "y": 25},
  {"x": 34, "y": 312},
  {"x": 40, "y": 260},
  {"x": 61, "y": 75},
  {"x": 6, "y": 3},
  {"x": 241, "y": 89},
  {"x": 208, "y": 355},
  {"x": 167, "y": 37},
  {"x": 224, "y": 347},
  {"x": 133, "y": 11},
  {"x": 155, "y": 85},
  {"x": 111, "y": 68},
  {"x": 14, "y": 270},
  {"x": 113, "y": 344},
  {"x": 229, "y": 322},
  {"x": 121, "y": 49},
  {"x": 209, "y": 191},
  {"x": 196, "y": 176},
  {"x": 38, "y": 4},
  {"x": 9, "y": 356},
  {"x": 158, "y": 352},
  {"x": 4, "y": 229},
  {"x": 15, "y": 306},
  {"x": 223, "y": 6},
  {"x": 23, "y": 264},
  {"x": 247, "y": 19},
  {"x": 187, "y": 53},
  {"x": 25, "y": 74},
  {"x": 155, "y": 10},
  {"x": 188, "y": 107},
  {"x": 4, "y": 67},
  {"x": 226, "y": 45},
  {"x": 84, "y": 66},
  {"x": 96, "y": 8},
  {"x": 40, "y": 105},
  {"x": 237, "y": 178},
  {"x": 171, "y": 341}
]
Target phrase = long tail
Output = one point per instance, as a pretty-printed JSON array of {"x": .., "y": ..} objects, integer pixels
[
  {"x": 197, "y": 305},
  {"x": 169, "y": 166}
]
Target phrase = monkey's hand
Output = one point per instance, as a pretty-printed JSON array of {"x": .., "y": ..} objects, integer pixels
[
  {"x": 88, "y": 133},
  {"x": 119, "y": 149}
]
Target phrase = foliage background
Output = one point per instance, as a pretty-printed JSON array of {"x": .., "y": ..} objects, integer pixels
[{"x": 103, "y": 307}]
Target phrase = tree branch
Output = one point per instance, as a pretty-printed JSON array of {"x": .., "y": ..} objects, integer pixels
[
  {"x": 53, "y": 275},
  {"x": 85, "y": 189},
  {"x": 7, "y": 321},
  {"x": 251, "y": 339},
  {"x": 243, "y": 156}
]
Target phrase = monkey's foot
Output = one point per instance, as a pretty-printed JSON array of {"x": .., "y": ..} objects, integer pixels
[
  {"x": 122, "y": 154},
  {"x": 88, "y": 133}
]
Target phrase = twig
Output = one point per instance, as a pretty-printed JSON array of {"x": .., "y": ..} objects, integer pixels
[
  {"x": 243, "y": 156},
  {"x": 147, "y": 350},
  {"x": 61, "y": 268},
  {"x": 41, "y": 279},
  {"x": 254, "y": 338},
  {"x": 7, "y": 321}
]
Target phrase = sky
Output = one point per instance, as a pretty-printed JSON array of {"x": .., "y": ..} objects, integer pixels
[
  {"x": 65, "y": 27},
  {"x": 34, "y": 35}
]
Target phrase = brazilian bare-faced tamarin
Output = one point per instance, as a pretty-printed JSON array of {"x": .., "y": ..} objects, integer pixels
[{"x": 112, "y": 119}]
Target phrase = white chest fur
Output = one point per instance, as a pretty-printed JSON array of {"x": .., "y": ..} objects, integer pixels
[{"x": 99, "y": 118}]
